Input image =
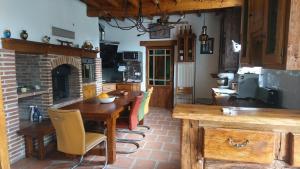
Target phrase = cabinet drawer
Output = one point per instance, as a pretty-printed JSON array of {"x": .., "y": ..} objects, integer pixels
[
  {"x": 296, "y": 150},
  {"x": 127, "y": 87},
  {"x": 239, "y": 145}
]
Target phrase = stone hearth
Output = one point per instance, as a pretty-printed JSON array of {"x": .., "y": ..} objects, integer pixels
[{"x": 32, "y": 70}]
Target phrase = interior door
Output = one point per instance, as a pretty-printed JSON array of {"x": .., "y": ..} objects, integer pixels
[{"x": 160, "y": 68}]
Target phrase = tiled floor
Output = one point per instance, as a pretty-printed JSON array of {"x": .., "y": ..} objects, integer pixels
[{"x": 159, "y": 150}]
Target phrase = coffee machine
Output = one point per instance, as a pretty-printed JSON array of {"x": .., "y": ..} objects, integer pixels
[
  {"x": 247, "y": 85},
  {"x": 224, "y": 80}
]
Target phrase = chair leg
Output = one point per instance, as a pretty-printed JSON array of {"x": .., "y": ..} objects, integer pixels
[
  {"x": 147, "y": 128},
  {"x": 78, "y": 163},
  {"x": 132, "y": 132},
  {"x": 106, "y": 157},
  {"x": 128, "y": 142}
]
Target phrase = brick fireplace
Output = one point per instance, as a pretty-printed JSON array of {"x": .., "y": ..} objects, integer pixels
[{"x": 35, "y": 72}]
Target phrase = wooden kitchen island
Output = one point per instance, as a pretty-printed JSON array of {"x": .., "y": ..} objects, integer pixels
[{"x": 248, "y": 138}]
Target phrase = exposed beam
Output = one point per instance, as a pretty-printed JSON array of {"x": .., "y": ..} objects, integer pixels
[
  {"x": 114, "y": 3},
  {"x": 92, "y": 3},
  {"x": 178, "y": 1},
  {"x": 166, "y": 7},
  {"x": 134, "y": 3}
]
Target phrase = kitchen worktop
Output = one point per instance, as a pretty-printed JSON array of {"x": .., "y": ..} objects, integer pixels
[{"x": 238, "y": 137}]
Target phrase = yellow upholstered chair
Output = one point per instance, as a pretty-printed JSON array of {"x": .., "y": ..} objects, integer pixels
[
  {"x": 146, "y": 108},
  {"x": 71, "y": 136}
]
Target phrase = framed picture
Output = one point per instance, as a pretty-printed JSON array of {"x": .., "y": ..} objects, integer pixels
[
  {"x": 159, "y": 31},
  {"x": 208, "y": 48}
]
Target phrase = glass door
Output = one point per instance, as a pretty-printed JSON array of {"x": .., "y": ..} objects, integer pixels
[{"x": 160, "y": 67}]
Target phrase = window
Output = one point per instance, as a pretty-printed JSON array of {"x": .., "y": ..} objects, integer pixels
[
  {"x": 159, "y": 67},
  {"x": 88, "y": 70}
]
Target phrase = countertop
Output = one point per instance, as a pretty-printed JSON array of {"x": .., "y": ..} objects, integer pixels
[{"x": 265, "y": 118}]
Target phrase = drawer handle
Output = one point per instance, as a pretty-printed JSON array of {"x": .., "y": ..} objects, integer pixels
[{"x": 237, "y": 145}]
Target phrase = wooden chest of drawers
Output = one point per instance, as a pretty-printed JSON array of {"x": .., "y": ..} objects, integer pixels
[
  {"x": 108, "y": 87},
  {"x": 238, "y": 145}
]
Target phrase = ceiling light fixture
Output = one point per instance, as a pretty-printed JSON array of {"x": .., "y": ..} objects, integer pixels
[
  {"x": 203, "y": 38},
  {"x": 139, "y": 22}
]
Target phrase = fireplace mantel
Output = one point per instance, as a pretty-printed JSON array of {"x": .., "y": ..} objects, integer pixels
[{"x": 30, "y": 47}]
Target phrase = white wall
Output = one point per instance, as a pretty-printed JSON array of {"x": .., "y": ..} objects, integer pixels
[
  {"x": 287, "y": 82},
  {"x": 206, "y": 64},
  {"x": 38, "y": 16}
]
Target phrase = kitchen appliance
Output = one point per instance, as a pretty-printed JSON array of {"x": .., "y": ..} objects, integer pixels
[
  {"x": 247, "y": 85},
  {"x": 132, "y": 56},
  {"x": 225, "y": 80},
  {"x": 268, "y": 95}
]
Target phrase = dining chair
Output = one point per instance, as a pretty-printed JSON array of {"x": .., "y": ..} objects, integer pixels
[
  {"x": 71, "y": 136},
  {"x": 144, "y": 108},
  {"x": 129, "y": 124}
]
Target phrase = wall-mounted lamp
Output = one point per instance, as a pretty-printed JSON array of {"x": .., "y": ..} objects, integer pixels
[{"x": 203, "y": 38}]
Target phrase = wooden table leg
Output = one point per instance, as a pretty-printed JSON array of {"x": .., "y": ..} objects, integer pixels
[
  {"x": 111, "y": 140},
  {"x": 41, "y": 148},
  {"x": 28, "y": 146}
]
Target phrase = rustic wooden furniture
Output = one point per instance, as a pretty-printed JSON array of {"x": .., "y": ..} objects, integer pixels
[
  {"x": 270, "y": 31},
  {"x": 108, "y": 87},
  {"x": 36, "y": 131},
  {"x": 24, "y": 46},
  {"x": 92, "y": 109},
  {"x": 186, "y": 44},
  {"x": 129, "y": 86},
  {"x": 4, "y": 156},
  {"x": 244, "y": 137}
]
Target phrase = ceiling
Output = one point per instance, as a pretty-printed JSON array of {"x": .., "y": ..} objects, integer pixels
[{"x": 121, "y": 9}]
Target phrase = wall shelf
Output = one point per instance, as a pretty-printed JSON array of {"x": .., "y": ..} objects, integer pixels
[
  {"x": 30, "y": 94},
  {"x": 24, "y": 46}
]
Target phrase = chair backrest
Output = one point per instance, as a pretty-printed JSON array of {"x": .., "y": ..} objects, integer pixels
[
  {"x": 146, "y": 108},
  {"x": 69, "y": 129},
  {"x": 133, "y": 117}
]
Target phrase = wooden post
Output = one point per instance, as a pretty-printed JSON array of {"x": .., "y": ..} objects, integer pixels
[{"x": 4, "y": 160}]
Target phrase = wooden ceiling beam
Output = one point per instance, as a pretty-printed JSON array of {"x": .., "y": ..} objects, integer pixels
[
  {"x": 166, "y": 8},
  {"x": 134, "y": 3},
  {"x": 113, "y": 3},
  {"x": 92, "y": 3}
]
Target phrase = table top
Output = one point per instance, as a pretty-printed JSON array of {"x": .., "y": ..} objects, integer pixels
[
  {"x": 92, "y": 108},
  {"x": 277, "y": 118}
]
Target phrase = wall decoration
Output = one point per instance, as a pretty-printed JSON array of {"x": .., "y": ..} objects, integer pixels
[
  {"x": 24, "y": 35},
  {"x": 158, "y": 31},
  {"x": 207, "y": 48},
  {"x": 7, "y": 33},
  {"x": 46, "y": 39}
]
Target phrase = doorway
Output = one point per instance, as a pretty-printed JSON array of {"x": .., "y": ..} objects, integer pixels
[{"x": 160, "y": 68}]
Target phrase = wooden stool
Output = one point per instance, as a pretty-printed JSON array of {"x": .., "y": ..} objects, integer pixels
[{"x": 36, "y": 131}]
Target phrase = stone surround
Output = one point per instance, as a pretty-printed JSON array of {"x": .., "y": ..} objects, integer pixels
[{"x": 33, "y": 69}]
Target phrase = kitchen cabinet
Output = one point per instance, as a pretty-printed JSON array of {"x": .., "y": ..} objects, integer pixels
[
  {"x": 129, "y": 86},
  {"x": 243, "y": 138},
  {"x": 108, "y": 87},
  {"x": 186, "y": 45},
  {"x": 230, "y": 31},
  {"x": 271, "y": 34}
]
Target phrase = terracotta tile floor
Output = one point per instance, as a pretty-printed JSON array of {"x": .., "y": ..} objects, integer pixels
[{"x": 159, "y": 150}]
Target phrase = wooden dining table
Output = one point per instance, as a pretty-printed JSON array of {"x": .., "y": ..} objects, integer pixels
[{"x": 92, "y": 109}]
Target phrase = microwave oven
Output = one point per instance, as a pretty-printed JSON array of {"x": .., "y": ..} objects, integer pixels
[{"x": 131, "y": 56}]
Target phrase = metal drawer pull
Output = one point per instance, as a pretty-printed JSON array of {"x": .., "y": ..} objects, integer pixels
[{"x": 237, "y": 145}]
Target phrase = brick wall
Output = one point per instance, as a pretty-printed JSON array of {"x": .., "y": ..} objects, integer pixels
[
  {"x": 33, "y": 70},
  {"x": 10, "y": 98}
]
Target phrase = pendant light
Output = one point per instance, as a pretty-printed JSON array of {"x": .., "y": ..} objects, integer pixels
[{"x": 203, "y": 38}]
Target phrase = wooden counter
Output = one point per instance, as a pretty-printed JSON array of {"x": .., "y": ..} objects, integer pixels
[{"x": 247, "y": 138}]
